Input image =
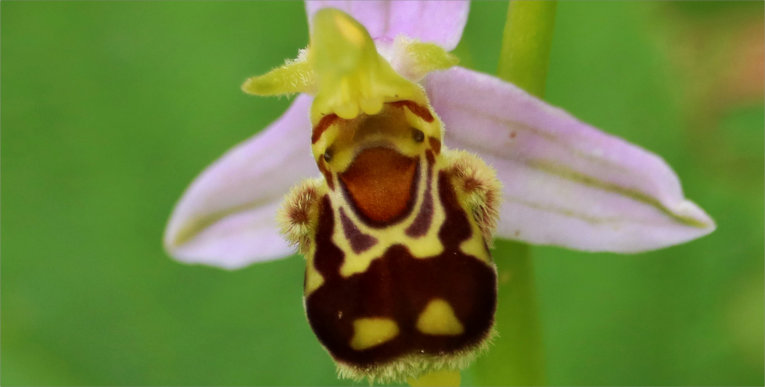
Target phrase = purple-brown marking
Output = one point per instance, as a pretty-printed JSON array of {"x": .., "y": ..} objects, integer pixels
[
  {"x": 359, "y": 241},
  {"x": 322, "y": 126},
  {"x": 435, "y": 144},
  {"x": 327, "y": 174},
  {"x": 430, "y": 157},
  {"x": 331, "y": 257},
  {"x": 421, "y": 223},
  {"x": 418, "y": 110}
]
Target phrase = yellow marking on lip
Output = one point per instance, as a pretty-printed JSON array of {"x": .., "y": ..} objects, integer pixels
[
  {"x": 313, "y": 279},
  {"x": 371, "y": 332},
  {"x": 438, "y": 319},
  {"x": 475, "y": 245}
]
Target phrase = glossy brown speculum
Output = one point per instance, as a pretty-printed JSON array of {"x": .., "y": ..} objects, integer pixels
[{"x": 381, "y": 183}]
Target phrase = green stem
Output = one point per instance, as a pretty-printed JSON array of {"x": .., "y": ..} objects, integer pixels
[
  {"x": 526, "y": 40},
  {"x": 516, "y": 358}
]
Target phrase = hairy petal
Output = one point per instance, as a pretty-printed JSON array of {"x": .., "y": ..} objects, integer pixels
[
  {"x": 414, "y": 60},
  {"x": 565, "y": 182},
  {"x": 227, "y": 217},
  {"x": 439, "y": 22},
  {"x": 295, "y": 76}
]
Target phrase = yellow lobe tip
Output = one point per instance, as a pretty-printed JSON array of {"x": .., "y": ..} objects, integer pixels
[
  {"x": 293, "y": 77},
  {"x": 267, "y": 84},
  {"x": 250, "y": 86}
]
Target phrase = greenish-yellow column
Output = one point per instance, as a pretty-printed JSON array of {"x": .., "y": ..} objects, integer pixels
[{"x": 516, "y": 357}]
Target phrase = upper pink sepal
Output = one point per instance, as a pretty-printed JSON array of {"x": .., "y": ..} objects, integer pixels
[
  {"x": 565, "y": 182},
  {"x": 439, "y": 22},
  {"x": 227, "y": 217}
]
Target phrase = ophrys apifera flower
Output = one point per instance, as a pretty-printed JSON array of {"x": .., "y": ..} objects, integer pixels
[{"x": 399, "y": 278}]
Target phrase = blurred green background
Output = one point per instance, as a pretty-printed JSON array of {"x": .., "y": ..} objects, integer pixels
[{"x": 109, "y": 110}]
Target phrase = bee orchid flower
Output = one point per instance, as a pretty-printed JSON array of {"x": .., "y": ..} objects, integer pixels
[
  {"x": 383, "y": 75},
  {"x": 565, "y": 183}
]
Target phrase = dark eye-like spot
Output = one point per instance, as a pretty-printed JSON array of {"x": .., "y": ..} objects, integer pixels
[
  {"x": 418, "y": 135},
  {"x": 328, "y": 155}
]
